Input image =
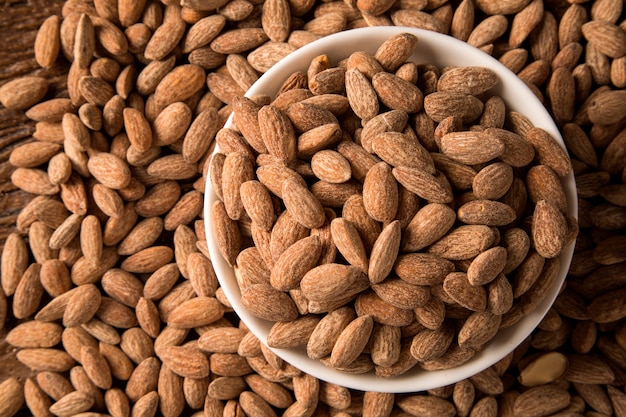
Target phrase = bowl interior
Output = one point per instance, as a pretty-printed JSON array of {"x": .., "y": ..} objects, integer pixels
[{"x": 440, "y": 50}]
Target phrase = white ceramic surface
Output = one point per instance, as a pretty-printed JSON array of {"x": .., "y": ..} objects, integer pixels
[{"x": 440, "y": 50}]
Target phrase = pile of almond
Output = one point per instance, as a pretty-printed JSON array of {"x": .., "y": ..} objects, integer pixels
[
  {"x": 378, "y": 203},
  {"x": 108, "y": 298}
]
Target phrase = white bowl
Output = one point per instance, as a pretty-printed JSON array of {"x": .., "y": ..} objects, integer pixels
[{"x": 440, "y": 50}]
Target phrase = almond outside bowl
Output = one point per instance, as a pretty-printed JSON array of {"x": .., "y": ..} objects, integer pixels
[{"x": 441, "y": 50}]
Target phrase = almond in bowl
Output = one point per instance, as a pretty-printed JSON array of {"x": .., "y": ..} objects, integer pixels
[{"x": 390, "y": 209}]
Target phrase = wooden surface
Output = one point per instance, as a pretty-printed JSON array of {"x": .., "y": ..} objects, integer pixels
[{"x": 19, "y": 21}]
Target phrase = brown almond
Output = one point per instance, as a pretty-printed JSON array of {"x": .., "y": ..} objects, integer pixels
[
  {"x": 294, "y": 262},
  {"x": 338, "y": 281},
  {"x": 266, "y": 302}
]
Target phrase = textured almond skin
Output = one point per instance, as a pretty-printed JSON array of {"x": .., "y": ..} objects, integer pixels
[
  {"x": 541, "y": 398},
  {"x": 463, "y": 242},
  {"x": 22, "y": 93},
  {"x": 422, "y": 268},
  {"x": 302, "y": 204},
  {"x": 493, "y": 181},
  {"x": 327, "y": 331},
  {"x": 332, "y": 281},
  {"x": 294, "y": 333},
  {"x": 548, "y": 230},
  {"x": 351, "y": 341},
  {"x": 430, "y": 344},
  {"x": 467, "y": 80},
  {"x": 395, "y": 50},
  {"x": 461, "y": 290},
  {"x": 396, "y": 93},
  {"x": 294, "y": 262},
  {"x": 487, "y": 212},
  {"x": 268, "y": 303},
  {"x": 380, "y": 193},
  {"x": 433, "y": 188},
  {"x": 429, "y": 224},
  {"x": 471, "y": 147},
  {"x": 442, "y": 104},
  {"x": 402, "y": 294},
  {"x": 384, "y": 252},
  {"x": 361, "y": 95}
]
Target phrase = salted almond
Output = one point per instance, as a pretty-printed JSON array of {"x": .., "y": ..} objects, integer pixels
[
  {"x": 293, "y": 333},
  {"x": 546, "y": 397},
  {"x": 443, "y": 104},
  {"x": 48, "y": 42},
  {"x": 34, "y": 181},
  {"x": 458, "y": 287},
  {"x": 386, "y": 345},
  {"x": 395, "y": 51},
  {"x": 294, "y": 262},
  {"x": 548, "y": 229},
  {"x": 148, "y": 260},
  {"x": 165, "y": 37},
  {"x": 179, "y": 84},
  {"x": 34, "y": 334},
  {"x": 303, "y": 205},
  {"x": 487, "y": 265},
  {"x": 391, "y": 121},
  {"x": 430, "y": 223},
  {"x": 434, "y": 188},
  {"x": 286, "y": 232},
  {"x": 549, "y": 152},
  {"x": 351, "y": 341},
  {"x": 467, "y": 80},
  {"x": 203, "y": 32},
  {"x": 543, "y": 184},
  {"x": 237, "y": 170},
  {"x": 330, "y": 166},
  {"x": 82, "y": 306},
  {"x": 487, "y": 212},
  {"x": 348, "y": 242},
  {"x": 185, "y": 361},
  {"x": 28, "y": 292},
  {"x": 380, "y": 193},
  {"x": 239, "y": 40},
  {"x": 266, "y": 302},
  {"x": 402, "y": 294},
  {"x": 493, "y": 181},
  {"x": 398, "y": 149},
  {"x": 73, "y": 403},
  {"x": 471, "y": 147},
  {"x": 46, "y": 359},
  {"x": 384, "y": 252},
  {"x": 597, "y": 33},
  {"x": 422, "y": 268},
  {"x": 369, "y": 303},
  {"x": 196, "y": 312},
  {"x": 332, "y": 281},
  {"x": 326, "y": 332},
  {"x": 22, "y": 93},
  {"x": 226, "y": 231},
  {"x": 317, "y": 139},
  {"x": 171, "y": 124},
  {"x": 464, "y": 242},
  {"x": 361, "y": 94},
  {"x": 14, "y": 262},
  {"x": 396, "y": 93},
  {"x": 424, "y": 404},
  {"x": 478, "y": 329},
  {"x": 30, "y": 155},
  {"x": 430, "y": 344}
]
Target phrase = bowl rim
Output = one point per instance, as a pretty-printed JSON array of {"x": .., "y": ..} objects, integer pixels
[{"x": 507, "y": 339}]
